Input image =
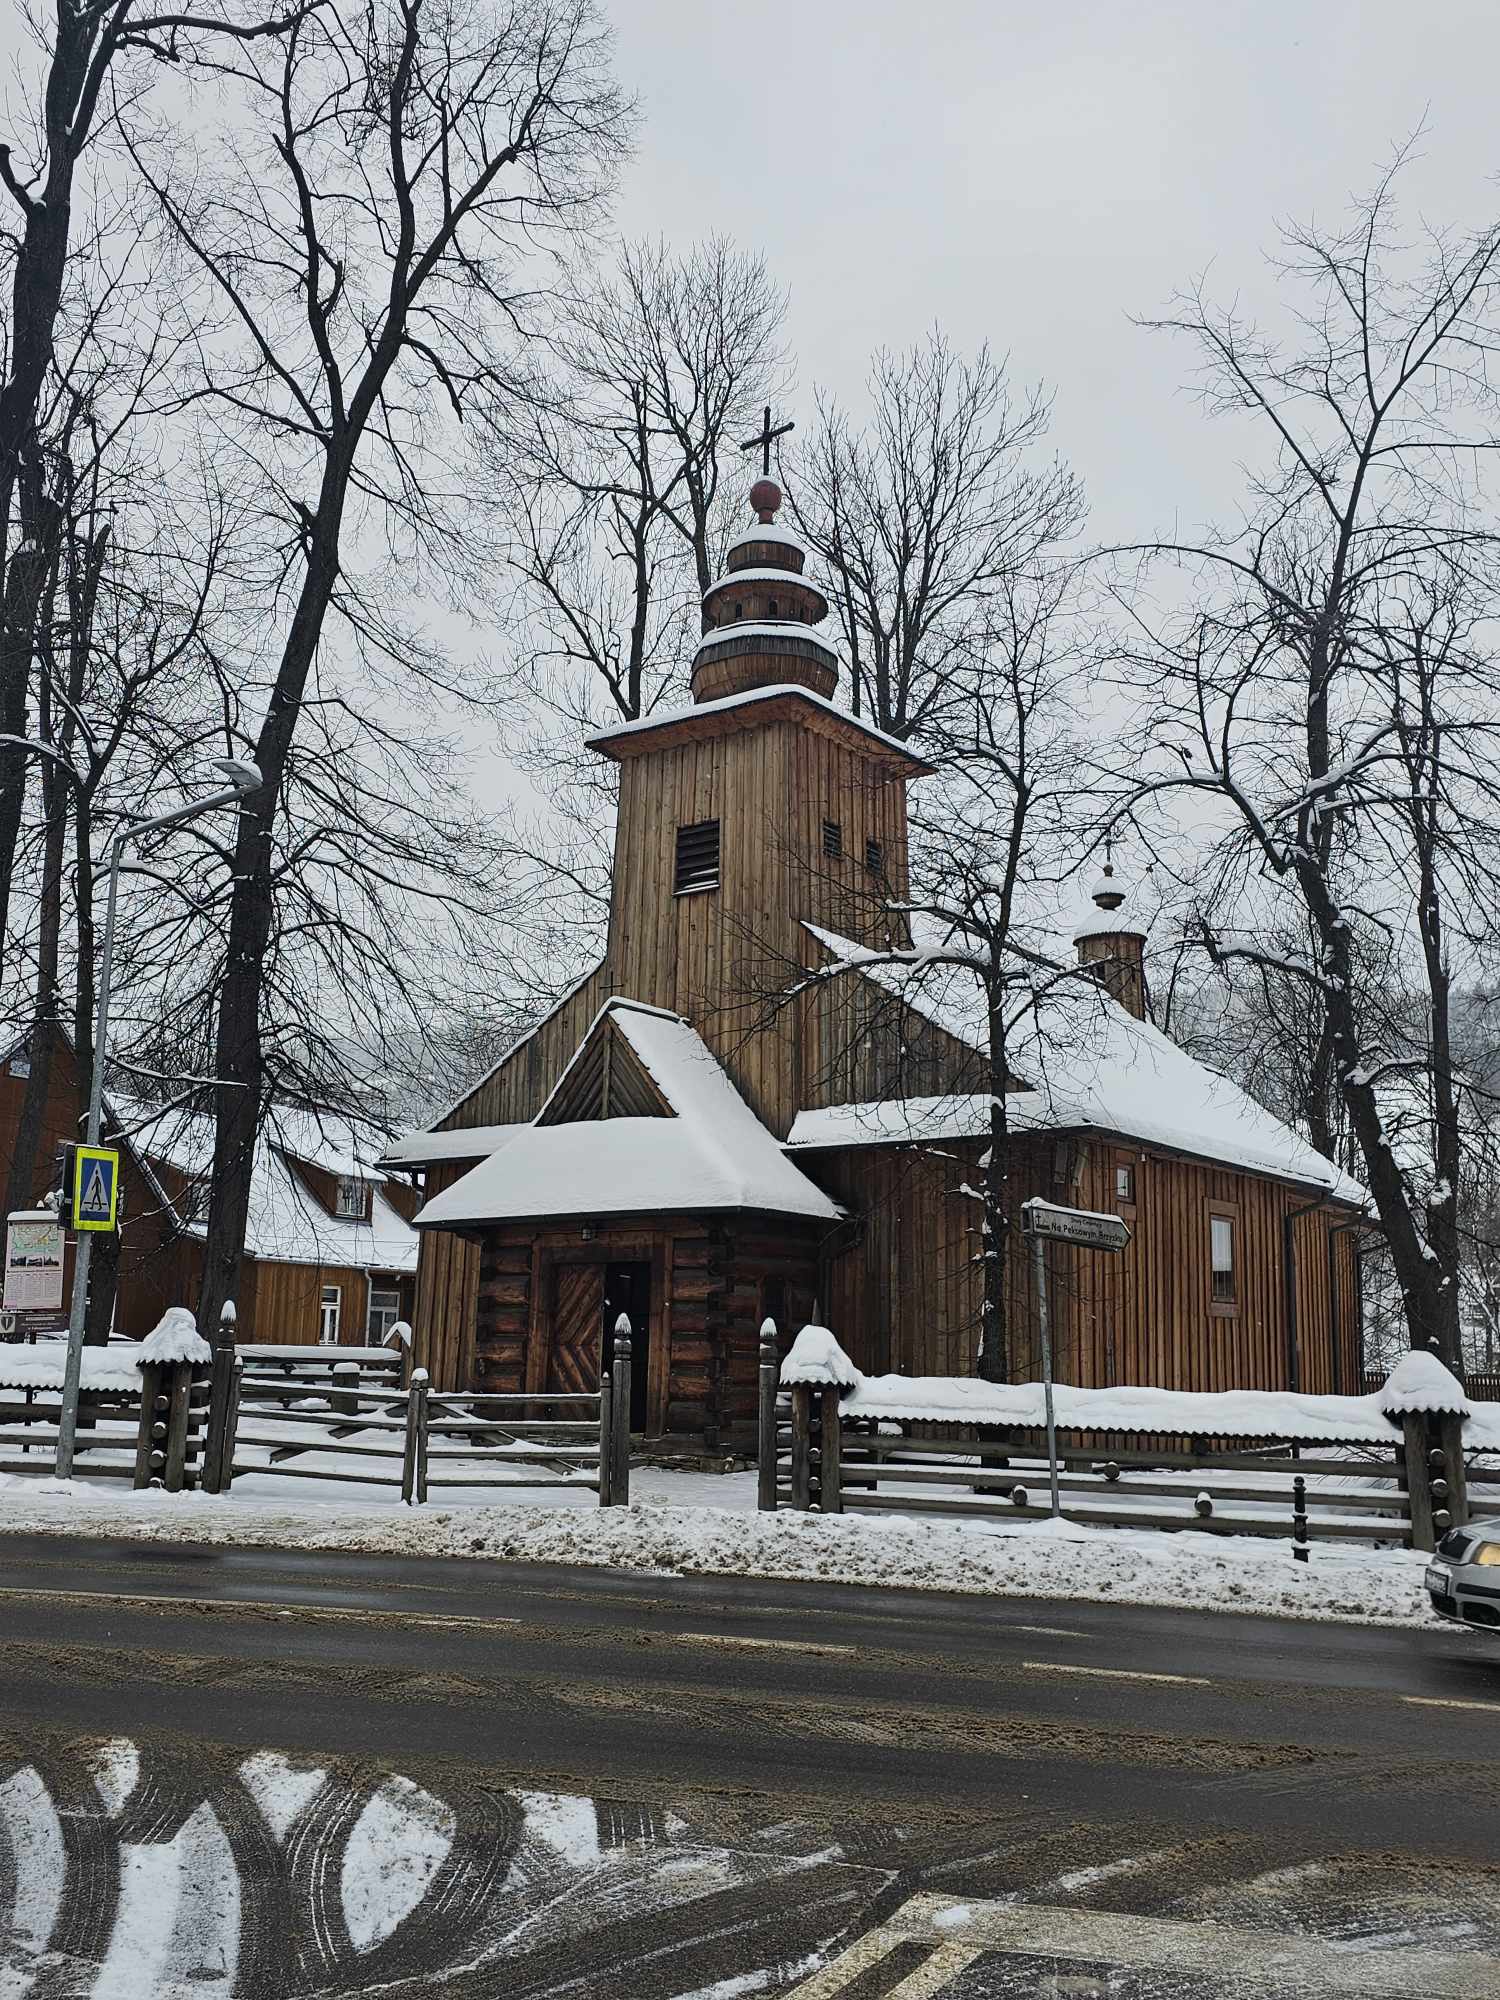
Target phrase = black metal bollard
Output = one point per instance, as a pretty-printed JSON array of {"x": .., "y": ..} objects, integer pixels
[{"x": 1299, "y": 1518}]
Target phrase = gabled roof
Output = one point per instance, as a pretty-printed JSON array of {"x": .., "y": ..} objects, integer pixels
[
  {"x": 711, "y": 1153},
  {"x": 287, "y": 1223},
  {"x": 1088, "y": 1065}
]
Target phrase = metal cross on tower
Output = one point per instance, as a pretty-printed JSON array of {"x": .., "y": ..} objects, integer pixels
[{"x": 765, "y": 438}]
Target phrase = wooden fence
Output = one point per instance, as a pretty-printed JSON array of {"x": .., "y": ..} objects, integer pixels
[
  {"x": 152, "y": 1435},
  {"x": 273, "y": 1412},
  {"x": 814, "y": 1456}
]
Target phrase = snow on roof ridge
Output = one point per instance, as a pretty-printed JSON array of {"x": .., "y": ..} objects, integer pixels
[
  {"x": 1087, "y": 1072},
  {"x": 778, "y": 691},
  {"x": 765, "y": 628}
]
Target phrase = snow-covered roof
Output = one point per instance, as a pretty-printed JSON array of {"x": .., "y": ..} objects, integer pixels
[
  {"x": 1089, "y": 1064},
  {"x": 713, "y": 1153},
  {"x": 466, "y": 1142},
  {"x": 767, "y": 531},
  {"x": 763, "y": 575},
  {"x": 1420, "y": 1382},
  {"x": 1108, "y": 923},
  {"x": 766, "y": 628},
  {"x": 287, "y": 1223},
  {"x": 783, "y": 691}
]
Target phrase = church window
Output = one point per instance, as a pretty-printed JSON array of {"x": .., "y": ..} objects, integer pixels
[
  {"x": 775, "y": 608},
  {"x": 833, "y": 839},
  {"x": 1223, "y": 1287},
  {"x": 874, "y": 857},
  {"x": 697, "y": 857},
  {"x": 1125, "y": 1181},
  {"x": 739, "y": 611}
]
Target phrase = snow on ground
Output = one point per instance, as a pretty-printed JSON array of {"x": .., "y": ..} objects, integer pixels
[{"x": 705, "y": 1524}]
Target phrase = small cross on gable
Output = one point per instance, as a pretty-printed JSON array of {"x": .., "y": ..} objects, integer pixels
[{"x": 765, "y": 437}]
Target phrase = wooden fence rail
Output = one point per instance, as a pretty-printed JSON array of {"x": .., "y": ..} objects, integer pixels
[
  {"x": 272, "y": 1411},
  {"x": 814, "y": 1456}
]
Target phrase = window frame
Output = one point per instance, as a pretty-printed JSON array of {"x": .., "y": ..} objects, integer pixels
[
  {"x": 335, "y": 1293},
  {"x": 1228, "y": 1212},
  {"x": 696, "y": 887},
  {"x": 341, "y": 1209},
  {"x": 372, "y": 1292},
  {"x": 833, "y": 840},
  {"x": 874, "y": 856},
  {"x": 1125, "y": 1164}
]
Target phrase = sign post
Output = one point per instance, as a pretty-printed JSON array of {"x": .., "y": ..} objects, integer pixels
[{"x": 1044, "y": 1221}]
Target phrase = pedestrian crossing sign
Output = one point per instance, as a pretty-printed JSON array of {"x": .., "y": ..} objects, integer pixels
[{"x": 96, "y": 1187}]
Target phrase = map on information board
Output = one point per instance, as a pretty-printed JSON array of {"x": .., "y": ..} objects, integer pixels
[{"x": 33, "y": 1264}]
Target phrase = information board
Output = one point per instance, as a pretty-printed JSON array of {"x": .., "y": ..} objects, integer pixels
[{"x": 33, "y": 1264}]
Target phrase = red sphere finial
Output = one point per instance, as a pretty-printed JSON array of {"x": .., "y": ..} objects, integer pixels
[{"x": 765, "y": 498}]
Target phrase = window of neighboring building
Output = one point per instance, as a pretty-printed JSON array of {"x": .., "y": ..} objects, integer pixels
[
  {"x": 330, "y": 1306},
  {"x": 353, "y": 1199},
  {"x": 697, "y": 857},
  {"x": 1223, "y": 1278},
  {"x": 385, "y": 1310},
  {"x": 20, "y": 1062},
  {"x": 833, "y": 839},
  {"x": 1125, "y": 1181},
  {"x": 874, "y": 856}
]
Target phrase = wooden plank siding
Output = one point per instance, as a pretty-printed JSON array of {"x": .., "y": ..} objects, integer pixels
[{"x": 904, "y": 1294}]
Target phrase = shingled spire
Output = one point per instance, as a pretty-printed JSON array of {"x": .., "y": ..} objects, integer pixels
[{"x": 758, "y": 617}]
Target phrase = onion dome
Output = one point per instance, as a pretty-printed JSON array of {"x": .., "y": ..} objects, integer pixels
[
  {"x": 1109, "y": 917},
  {"x": 758, "y": 617}
]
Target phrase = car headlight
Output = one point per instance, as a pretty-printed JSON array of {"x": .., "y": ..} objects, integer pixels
[{"x": 1487, "y": 1555}]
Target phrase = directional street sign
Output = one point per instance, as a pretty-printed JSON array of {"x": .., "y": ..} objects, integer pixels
[
  {"x": 96, "y": 1187},
  {"x": 1084, "y": 1226}
]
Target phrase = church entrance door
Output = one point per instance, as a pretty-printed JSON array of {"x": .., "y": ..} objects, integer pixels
[{"x": 577, "y": 1323}]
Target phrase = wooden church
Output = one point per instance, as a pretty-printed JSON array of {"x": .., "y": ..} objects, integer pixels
[{"x": 673, "y": 1142}]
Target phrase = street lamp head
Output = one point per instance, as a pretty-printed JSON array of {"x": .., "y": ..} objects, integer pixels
[{"x": 239, "y": 772}]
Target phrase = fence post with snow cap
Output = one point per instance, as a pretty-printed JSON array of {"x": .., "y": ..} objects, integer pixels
[
  {"x": 414, "y": 1458},
  {"x": 1430, "y": 1408},
  {"x": 173, "y": 1360},
  {"x": 769, "y": 1389},
  {"x": 830, "y": 1454},
  {"x": 1299, "y": 1518},
  {"x": 606, "y": 1439}
]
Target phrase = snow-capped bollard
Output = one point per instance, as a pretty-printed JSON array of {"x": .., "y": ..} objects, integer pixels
[
  {"x": 1299, "y": 1518},
  {"x": 765, "y": 1464},
  {"x": 1203, "y": 1506}
]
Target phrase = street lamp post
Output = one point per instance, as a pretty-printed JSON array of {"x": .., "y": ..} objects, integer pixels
[{"x": 243, "y": 779}]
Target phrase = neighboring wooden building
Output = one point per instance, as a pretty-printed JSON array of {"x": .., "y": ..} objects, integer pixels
[
  {"x": 668, "y": 1144},
  {"x": 330, "y": 1250}
]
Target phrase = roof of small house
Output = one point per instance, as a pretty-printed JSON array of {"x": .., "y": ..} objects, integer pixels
[
  {"x": 712, "y": 1152},
  {"x": 287, "y": 1222},
  {"x": 465, "y": 1142},
  {"x": 1088, "y": 1064}
]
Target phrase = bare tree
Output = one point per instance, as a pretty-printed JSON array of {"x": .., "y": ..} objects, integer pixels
[
  {"x": 1323, "y": 676},
  {"x": 353, "y": 259},
  {"x": 93, "y": 54},
  {"x": 923, "y": 517}
]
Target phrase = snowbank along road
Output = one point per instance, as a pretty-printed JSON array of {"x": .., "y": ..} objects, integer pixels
[{"x": 228, "y": 1772}]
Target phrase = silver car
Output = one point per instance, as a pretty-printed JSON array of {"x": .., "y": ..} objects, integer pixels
[{"x": 1463, "y": 1578}]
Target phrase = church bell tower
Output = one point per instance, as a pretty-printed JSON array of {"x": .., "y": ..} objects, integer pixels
[{"x": 758, "y": 810}]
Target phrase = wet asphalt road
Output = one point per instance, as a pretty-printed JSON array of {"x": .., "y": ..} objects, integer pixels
[{"x": 810, "y": 1761}]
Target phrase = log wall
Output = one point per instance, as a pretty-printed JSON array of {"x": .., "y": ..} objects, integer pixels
[{"x": 712, "y": 1283}]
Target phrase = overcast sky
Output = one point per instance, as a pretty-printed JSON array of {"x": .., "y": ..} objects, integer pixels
[{"x": 1034, "y": 175}]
